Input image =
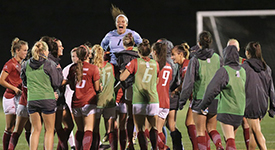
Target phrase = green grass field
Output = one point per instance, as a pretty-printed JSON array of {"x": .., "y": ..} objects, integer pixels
[{"x": 267, "y": 129}]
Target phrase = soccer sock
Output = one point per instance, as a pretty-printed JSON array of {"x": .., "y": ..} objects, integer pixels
[
  {"x": 62, "y": 138},
  {"x": 96, "y": 141},
  {"x": 6, "y": 140},
  {"x": 147, "y": 134},
  {"x": 246, "y": 137},
  {"x": 142, "y": 140},
  {"x": 154, "y": 138},
  {"x": 230, "y": 144},
  {"x": 122, "y": 139},
  {"x": 162, "y": 137},
  {"x": 191, "y": 129},
  {"x": 87, "y": 140},
  {"x": 176, "y": 139},
  {"x": 78, "y": 139},
  {"x": 27, "y": 136},
  {"x": 130, "y": 129},
  {"x": 207, "y": 140},
  {"x": 216, "y": 138},
  {"x": 113, "y": 139},
  {"x": 71, "y": 139},
  {"x": 13, "y": 140},
  {"x": 202, "y": 142}
]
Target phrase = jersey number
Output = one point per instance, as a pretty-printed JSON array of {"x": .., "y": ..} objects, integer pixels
[
  {"x": 81, "y": 84},
  {"x": 147, "y": 77},
  {"x": 165, "y": 76}
]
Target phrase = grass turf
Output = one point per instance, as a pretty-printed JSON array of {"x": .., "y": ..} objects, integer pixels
[{"x": 267, "y": 125}]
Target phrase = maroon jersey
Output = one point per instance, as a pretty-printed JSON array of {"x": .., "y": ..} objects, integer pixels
[
  {"x": 23, "y": 97},
  {"x": 165, "y": 76},
  {"x": 84, "y": 90},
  {"x": 13, "y": 68},
  {"x": 184, "y": 68}
]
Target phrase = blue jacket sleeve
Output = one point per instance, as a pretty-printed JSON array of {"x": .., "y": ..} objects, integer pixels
[
  {"x": 137, "y": 38},
  {"x": 105, "y": 41}
]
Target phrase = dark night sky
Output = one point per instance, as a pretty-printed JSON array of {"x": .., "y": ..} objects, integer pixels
[{"x": 75, "y": 22}]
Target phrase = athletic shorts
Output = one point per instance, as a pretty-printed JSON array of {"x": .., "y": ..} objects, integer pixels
[
  {"x": 47, "y": 106},
  {"x": 86, "y": 110},
  {"x": 146, "y": 109},
  {"x": 10, "y": 105},
  {"x": 174, "y": 102},
  {"x": 106, "y": 112},
  {"x": 212, "y": 108},
  {"x": 22, "y": 111},
  {"x": 122, "y": 108},
  {"x": 163, "y": 113},
  {"x": 234, "y": 120}
]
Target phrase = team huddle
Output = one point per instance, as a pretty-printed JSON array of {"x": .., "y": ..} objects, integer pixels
[{"x": 135, "y": 85}]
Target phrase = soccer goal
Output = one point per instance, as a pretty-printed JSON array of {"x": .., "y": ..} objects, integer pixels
[{"x": 245, "y": 26}]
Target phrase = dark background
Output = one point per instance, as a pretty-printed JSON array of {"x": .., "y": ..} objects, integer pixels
[{"x": 75, "y": 22}]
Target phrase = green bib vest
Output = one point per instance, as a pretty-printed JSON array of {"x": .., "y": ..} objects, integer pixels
[
  {"x": 145, "y": 85},
  {"x": 39, "y": 84},
  {"x": 207, "y": 71},
  {"x": 233, "y": 96},
  {"x": 106, "y": 98}
]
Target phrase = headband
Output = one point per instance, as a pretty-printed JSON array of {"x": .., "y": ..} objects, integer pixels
[{"x": 121, "y": 15}]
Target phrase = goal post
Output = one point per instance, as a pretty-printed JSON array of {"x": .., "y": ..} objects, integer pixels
[{"x": 212, "y": 15}]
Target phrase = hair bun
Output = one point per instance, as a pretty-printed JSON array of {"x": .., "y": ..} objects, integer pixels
[{"x": 145, "y": 41}]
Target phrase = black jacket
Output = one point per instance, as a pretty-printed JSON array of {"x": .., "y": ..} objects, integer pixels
[
  {"x": 49, "y": 68},
  {"x": 221, "y": 78},
  {"x": 259, "y": 89},
  {"x": 123, "y": 58},
  {"x": 192, "y": 74}
]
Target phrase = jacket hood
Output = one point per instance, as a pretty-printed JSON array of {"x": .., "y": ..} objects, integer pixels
[
  {"x": 35, "y": 64},
  {"x": 128, "y": 52},
  {"x": 231, "y": 55},
  {"x": 203, "y": 54},
  {"x": 256, "y": 64},
  {"x": 55, "y": 59}
]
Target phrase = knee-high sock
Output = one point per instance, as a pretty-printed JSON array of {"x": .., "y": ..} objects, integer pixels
[
  {"x": 207, "y": 140},
  {"x": 191, "y": 129},
  {"x": 142, "y": 140},
  {"x": 246, "y": 137},
  {"x": 161, "y": 141},
  {"x": 230, "y": 144},
  {"x": 130, "y": 129},
  {"x": 13, "y": 140},
  {"x": 147, "y": 134},
  {"x": 96, "y": 141},
  {"x": 122, "y": 139},
  {"x": 62, "y": 139},
  {"x": 154, "y": 138},
  {"x": 27, "y": 136},
  {"x": 87, "y": 140},
  {"x": 216, "y": 138},
  {"x": 113, "y": 139},
  {"x": 6, "y": 140},
  {"x": 78, "y": 139},
  {"x": 176, "y": 139},
  {"x": 202, "y": 143},
  {"x": 71, "y": 139}
]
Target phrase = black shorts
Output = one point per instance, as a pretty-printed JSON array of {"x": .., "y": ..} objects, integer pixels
[
  {"x": 42, "y": 106},
  {"x": 212, "y": 108},
  {"x": 234, "y": 120},
  {"x": 174, "y": 102}
]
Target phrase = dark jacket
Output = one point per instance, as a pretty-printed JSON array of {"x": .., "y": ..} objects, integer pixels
[
  {"x": 192, "y": 74},
  {"x": 123, "y": 58},
  {"x": 259, "y": 89},
  {"x": 221, "y": 78},
  {"x": 49, "y": 68}
]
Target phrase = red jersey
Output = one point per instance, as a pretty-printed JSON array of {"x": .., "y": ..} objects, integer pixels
[
  {"x": 13, "y": 68},
  {"x": 165, "y": 76},
  {"x": 84, "y": 91},
  {"x": 184, "y": 68},
  {"x": 132, "y": 66},
  {"x": 23, "y": 97}
]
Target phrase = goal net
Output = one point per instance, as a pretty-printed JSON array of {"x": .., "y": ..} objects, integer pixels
[{"x": 245, "y": 26}]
